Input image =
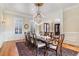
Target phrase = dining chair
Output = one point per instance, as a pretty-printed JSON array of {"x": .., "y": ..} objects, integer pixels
[
  {"x": 56, "y": 44},
  {"x": 25, "y": 38},
  {"x": 38, "y": 44},
  {"x": 51, "y": 34},
  {"x": 28, "y": 39}
]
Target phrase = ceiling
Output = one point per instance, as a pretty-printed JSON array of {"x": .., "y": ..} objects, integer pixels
[{"x": 28, "y": 8}]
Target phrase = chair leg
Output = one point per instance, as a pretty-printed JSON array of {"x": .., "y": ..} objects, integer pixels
[
  {"x": 45, "y": 51},
  {"x": 61, "y": 52},
  {"x": 36, "y": 51},
  {"x": 56, "y": 52}
]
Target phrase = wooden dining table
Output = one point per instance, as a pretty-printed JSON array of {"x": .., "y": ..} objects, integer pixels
[{"x": 44, "y": 38}]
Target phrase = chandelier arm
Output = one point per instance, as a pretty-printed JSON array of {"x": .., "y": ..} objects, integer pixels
[{"x": 38, "y": 17}]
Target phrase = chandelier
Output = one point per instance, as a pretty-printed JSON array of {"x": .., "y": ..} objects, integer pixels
[{"x": 38, "y": 17}]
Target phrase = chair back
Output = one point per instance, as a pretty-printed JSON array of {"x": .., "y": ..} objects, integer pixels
[
  {"x": 57, "y": 42},
  {"x": 31, "y": 38},
  {"x": 34, "y": 39},
  {"x": 61, "y": 39},
  {"x": 46, "y": 33},
  {"x": 28, "y": 36},
  {"x": 51, "y": 34},
  {"x": 25, "y": 36}
]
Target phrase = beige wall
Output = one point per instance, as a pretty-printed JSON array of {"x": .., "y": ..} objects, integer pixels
[
  {"x": 71, "y": 20},
  {"x": 71, "y": 26}
]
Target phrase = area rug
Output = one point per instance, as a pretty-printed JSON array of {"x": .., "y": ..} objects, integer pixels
[{"x": 24, "y": 50}]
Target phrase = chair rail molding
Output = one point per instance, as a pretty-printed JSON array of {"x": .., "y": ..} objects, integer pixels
[{"x": 71, "y": 32}]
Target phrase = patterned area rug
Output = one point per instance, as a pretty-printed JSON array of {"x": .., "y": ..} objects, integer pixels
[{"x": 23, "y": 50}]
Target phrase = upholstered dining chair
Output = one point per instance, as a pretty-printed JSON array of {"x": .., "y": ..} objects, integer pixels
[
  {"x": 56, "y": 44},
  {"x": 25, "y": 38},
  {"x": 38, "y": 44},
  {"x": 51, "y": 34},
  {"x": 28, "y": 39}
]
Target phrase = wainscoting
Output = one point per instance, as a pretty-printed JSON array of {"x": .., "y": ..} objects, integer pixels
[
  {"x": 10, "y": 36},
  {"x": 72, "y": 38}
]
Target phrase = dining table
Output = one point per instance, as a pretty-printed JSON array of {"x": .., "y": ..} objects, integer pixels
[{"x": 44, "y": 38}]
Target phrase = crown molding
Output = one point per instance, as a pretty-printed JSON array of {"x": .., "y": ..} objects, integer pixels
[
  {"x": 14, "y": 12},
  {"x": 75, "y": 6}
]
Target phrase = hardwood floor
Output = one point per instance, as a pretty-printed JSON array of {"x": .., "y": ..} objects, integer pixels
[
  {"x": 9, "y": 48},
  {"x": 72, "y": 47}
]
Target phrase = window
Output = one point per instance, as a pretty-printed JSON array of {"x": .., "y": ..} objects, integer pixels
[
  {"x": 57, "y": 29},
  {"x": 46, "y": 27},
  {"x": 18, "y": 25}
]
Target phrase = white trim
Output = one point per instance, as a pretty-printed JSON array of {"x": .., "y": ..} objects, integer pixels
[
  {"x": 71, "y": 32},
  {"x": 75, "y": 6},
  {"x": 14, "y": 12}
]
